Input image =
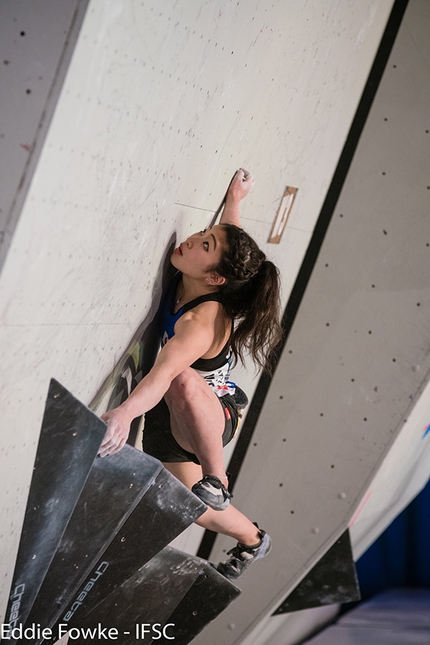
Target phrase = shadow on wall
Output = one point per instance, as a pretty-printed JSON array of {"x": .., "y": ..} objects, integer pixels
[{"x": 140, "y": 354}]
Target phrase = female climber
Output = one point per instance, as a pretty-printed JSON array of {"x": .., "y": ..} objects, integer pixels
[{"x": 222, "y": 304}]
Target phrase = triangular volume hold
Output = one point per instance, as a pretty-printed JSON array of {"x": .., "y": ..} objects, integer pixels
[
  {"x": 333, "y": 580},
  {"x": 170, "y": 599},
  {"x": 69, "y": 441}
]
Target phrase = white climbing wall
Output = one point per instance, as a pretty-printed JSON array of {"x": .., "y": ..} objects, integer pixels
[
  {"x": 161, "y": 103},
  {"x": 343, "y": 438},
  {"x": 36, "y": 44}
]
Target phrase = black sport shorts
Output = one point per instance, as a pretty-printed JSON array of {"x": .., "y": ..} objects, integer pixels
[{"x": 159, "y": 442}]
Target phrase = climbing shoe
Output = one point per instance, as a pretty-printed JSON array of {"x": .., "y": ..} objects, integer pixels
[
  {"x": 243, "y": 556},
  {"x": 212, "y": 492}
]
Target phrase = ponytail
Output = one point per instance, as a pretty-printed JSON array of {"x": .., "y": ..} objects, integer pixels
[{"x": 250, "y": 295}]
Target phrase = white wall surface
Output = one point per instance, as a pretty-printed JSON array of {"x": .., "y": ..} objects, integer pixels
[
  {"x": 162, "y": 102},
  {"x": 342, "y": 438},
  {"x": 36, "y": 43},
  {"x": 402, "y": 147}
]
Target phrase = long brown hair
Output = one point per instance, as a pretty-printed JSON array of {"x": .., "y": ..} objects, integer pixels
[{"x": 250, "y": 295}]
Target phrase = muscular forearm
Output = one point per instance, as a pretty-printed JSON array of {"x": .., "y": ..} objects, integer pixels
[
  {"x": 231, "y": 212},
  {"x": 240, "y": 186},
  {"x": 148, "y": 393}
]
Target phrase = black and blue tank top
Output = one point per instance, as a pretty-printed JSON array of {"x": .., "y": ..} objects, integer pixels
[{"x": 216, "y": 370}]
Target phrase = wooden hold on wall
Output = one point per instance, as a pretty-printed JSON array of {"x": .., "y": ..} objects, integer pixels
[{"x": 282, "y": 215}]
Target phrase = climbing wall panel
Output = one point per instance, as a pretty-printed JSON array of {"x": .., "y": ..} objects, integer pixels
[
  {"x": 343, "y": 436},
  {"x": 159, "y": 106}
]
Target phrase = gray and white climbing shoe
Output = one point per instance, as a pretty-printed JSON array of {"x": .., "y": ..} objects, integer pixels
[
  {"x": 212, "y": 492},
  {"x": 243, "y": 556}
]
